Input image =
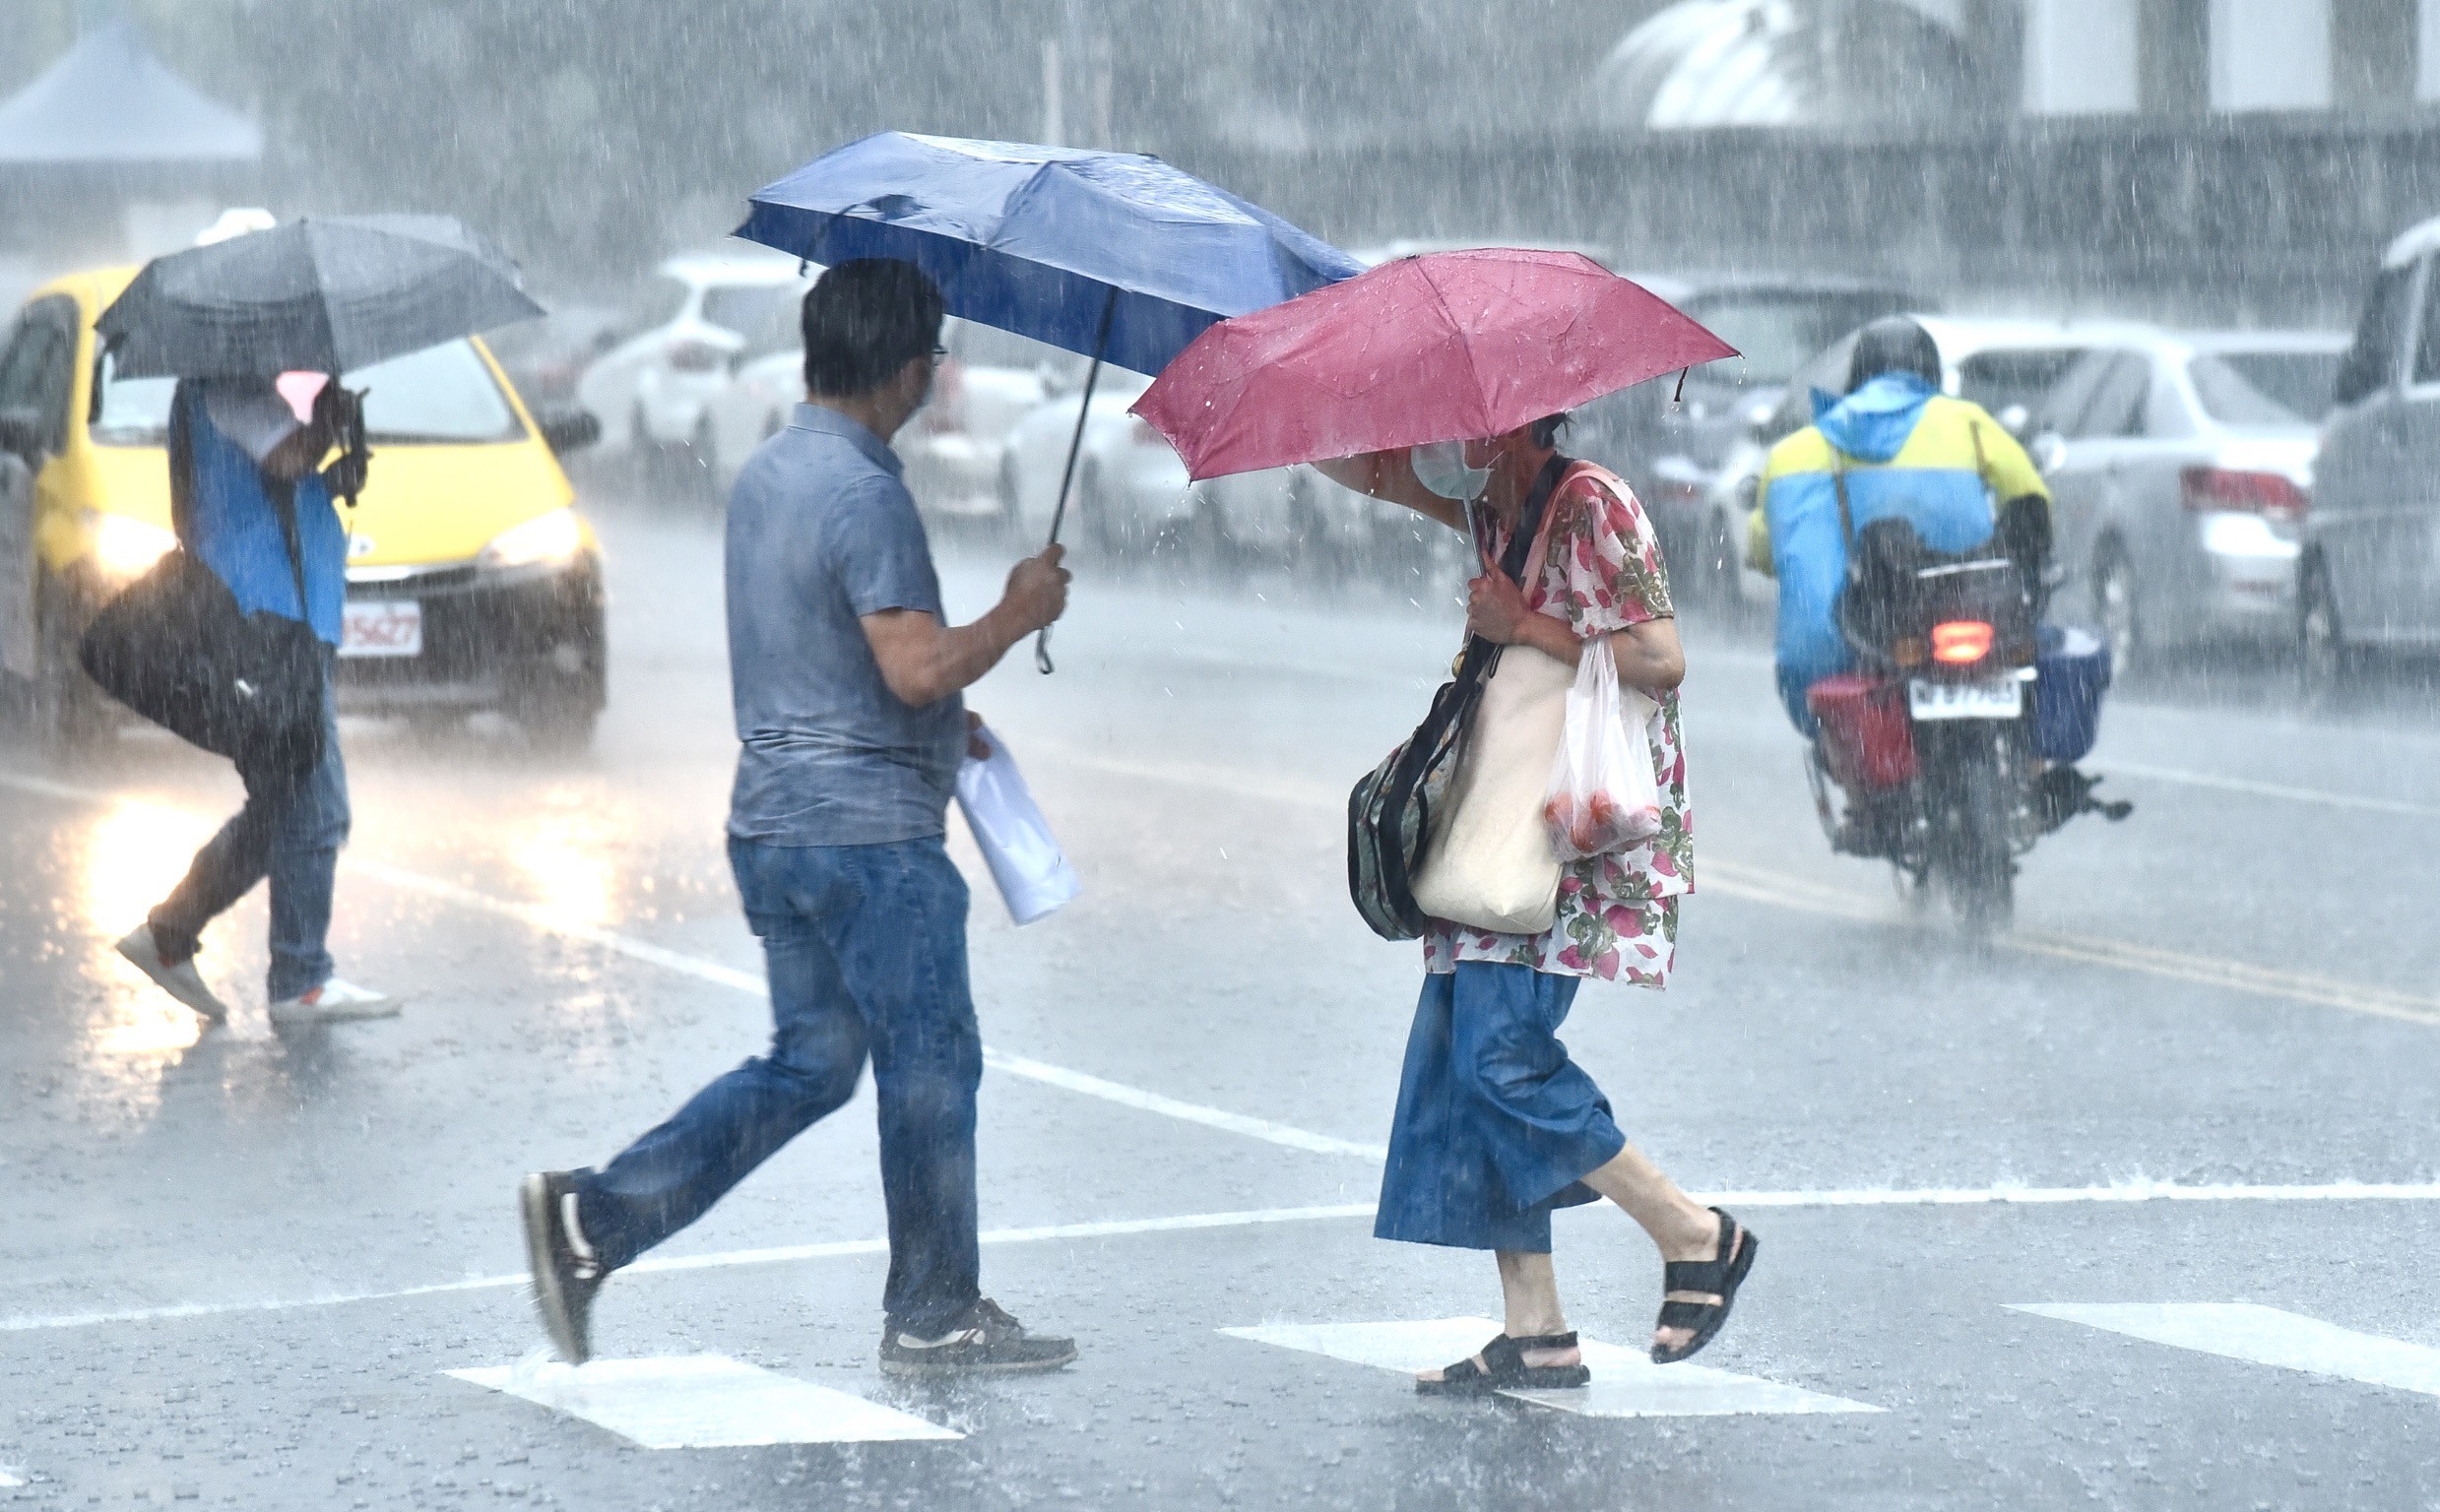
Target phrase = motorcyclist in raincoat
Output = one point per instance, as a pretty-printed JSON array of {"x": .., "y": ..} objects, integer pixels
[{"x": 1907, "y": 451}]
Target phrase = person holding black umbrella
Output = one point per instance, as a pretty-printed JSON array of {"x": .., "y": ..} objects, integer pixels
[
  {"x": 230, "y": 640},
  {"x": 253, "y": 504}
]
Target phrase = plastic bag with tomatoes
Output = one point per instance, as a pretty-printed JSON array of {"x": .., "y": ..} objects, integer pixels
[{"x": 1604, "y": 796}]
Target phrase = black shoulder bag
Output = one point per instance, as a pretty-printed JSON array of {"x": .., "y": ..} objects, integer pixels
[
  {"x": 1390, "y": 813},
  {"x": 174, "y": 646}
]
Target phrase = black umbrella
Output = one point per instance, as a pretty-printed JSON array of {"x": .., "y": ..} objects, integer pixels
[{"x": 323, "y": 294}]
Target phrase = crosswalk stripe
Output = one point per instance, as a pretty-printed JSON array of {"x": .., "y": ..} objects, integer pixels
[
  {"x": 1624, "y": 1384},
  {"x": 703, "y": 1401},
  {"x": 2263, "y": 1335}
]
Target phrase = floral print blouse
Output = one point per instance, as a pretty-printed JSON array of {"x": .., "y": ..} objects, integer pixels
[{"x": 1601, "y": 573}]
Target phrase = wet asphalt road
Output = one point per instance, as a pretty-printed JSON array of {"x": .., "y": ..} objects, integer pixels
[{"x": 236, "y": 1265}]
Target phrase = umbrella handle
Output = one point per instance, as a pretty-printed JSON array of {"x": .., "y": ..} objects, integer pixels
[{"x": 1075, "y": 444}]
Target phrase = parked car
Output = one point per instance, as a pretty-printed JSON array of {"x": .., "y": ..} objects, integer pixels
[
  {"x": 2179, "y": 466},
  {"x": 2006, "y": 364},
  {"x": 1670, "y": 445},
  {"x": 2369, "y": 572},
  {"x": 953, "y": 447},
  {"x": 1129, "y": 486},
  {"x": 547, "y": 358},
  {"x": 473, "y": 582},
  {"x": 652, "y": 391}
]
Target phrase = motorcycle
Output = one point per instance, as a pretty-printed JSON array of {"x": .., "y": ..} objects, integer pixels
[{"x": 1951, "y": 750}]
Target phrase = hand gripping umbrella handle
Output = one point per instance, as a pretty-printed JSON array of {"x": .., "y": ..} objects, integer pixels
[{"x": 1075, "y": 444}]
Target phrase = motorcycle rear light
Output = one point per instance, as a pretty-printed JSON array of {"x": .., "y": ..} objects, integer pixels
[
  {"x": 2225, "y": 490},
  {"x": 1960, "y": 641}
]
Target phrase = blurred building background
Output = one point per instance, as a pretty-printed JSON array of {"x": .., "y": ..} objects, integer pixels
[{"x": 2230, "y": 159}]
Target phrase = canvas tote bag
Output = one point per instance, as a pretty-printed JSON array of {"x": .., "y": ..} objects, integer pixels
[{"x": 1491, "y": 865}]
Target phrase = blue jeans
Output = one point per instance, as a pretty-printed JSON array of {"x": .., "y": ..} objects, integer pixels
[
  {"x": 290, "y": 831},
  {"x": 866, "y": 951},
  {"x": 1494, "y": 1123}
]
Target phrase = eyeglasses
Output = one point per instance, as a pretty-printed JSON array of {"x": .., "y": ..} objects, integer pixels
[{"x": 939, "y": 354}]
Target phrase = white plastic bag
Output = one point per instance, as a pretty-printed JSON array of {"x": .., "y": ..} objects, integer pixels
[
  {"x": 1604, "y": 796},
  {"x": 1034, "y": 877}
]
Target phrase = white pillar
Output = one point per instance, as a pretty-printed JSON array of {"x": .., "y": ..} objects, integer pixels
[
  {"x": 2270, "y": 55},
  {"x": 2427, "y": 51},
  {"x": 2079, "y": 57}
]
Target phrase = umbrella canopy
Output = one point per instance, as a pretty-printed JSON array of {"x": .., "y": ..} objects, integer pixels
[
  {"x": 1444, "y": 346},
  {"x": 1048, "y": 242},
  {"x": 325, "y": 294}
]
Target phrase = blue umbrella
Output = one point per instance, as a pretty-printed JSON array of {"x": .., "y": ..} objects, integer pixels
[{"x": 1113, "y": 256}]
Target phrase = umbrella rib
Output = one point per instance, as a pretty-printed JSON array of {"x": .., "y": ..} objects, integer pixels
[{"x": 1454, "y": 325}]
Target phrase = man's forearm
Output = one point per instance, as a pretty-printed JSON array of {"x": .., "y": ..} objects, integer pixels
[{"x": 962, "y": 653}]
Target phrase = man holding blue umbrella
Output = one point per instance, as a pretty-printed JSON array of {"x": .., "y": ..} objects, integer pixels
[{"x": 846, "y": 678}]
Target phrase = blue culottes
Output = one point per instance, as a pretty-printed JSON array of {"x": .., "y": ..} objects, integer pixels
[{"x": 1495, "y": 1124}]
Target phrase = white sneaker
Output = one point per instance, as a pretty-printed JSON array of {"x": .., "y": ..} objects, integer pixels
[
  {"x": 181, "y": 981},
  {"x": 333, "y": 1002}
]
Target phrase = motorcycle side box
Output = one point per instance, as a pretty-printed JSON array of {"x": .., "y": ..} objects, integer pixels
[
  {"x": 1867, "y": 741},
  {"x": 2074, "y": 671}
]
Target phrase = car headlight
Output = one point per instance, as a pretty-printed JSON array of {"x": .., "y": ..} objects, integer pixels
[
  {"x": 545, "y": 538},
  {"x": 125, "y": 549}
]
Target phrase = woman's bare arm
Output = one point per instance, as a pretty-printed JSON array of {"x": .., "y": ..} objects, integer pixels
[
  {"x": 1650, "y": 657},
  {"x": 1390, "y": 475}
]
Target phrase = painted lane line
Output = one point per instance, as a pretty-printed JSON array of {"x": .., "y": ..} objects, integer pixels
[
  {"x": 1624, "y": 1384},
  {"x": 2003, "y": 1195},
  {"x": 10, "y": 1475},
  {"x": 2251, "y": 789},
  {"x": 703, "y": 1401},
  {"x": 1776, "y": 890},
  {"x": 1187, "y": 1112},
  {"x": 755, "y": 984},
  {"x": 2261, "y": 1335},
  {"x": 1759, "y": 886},
  {"x": 727, "y": 1259},
  {"x": 548, "y": 921}
]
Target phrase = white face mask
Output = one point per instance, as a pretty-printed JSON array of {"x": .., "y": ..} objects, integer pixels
[{"x": 1441, "y": 466}]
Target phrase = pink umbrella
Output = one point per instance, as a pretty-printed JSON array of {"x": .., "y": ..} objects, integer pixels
[{"x": 1446, "y": 346}]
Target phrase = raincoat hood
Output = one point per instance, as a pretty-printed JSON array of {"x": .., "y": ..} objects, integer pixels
[{"x": 1872, "y": 423}]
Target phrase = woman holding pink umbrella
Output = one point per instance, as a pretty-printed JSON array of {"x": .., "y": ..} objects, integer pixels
[{"x": 1496, "y": 1126}]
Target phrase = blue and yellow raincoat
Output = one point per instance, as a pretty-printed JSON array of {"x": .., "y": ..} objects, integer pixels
[{"x": 1908, "y": 452}]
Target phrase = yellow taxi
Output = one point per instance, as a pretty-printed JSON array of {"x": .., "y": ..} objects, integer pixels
[{"x": 473, "y": 582}]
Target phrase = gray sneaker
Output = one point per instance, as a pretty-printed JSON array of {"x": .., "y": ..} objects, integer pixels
[
  {"x": 181, "y": 980},
  {"x": 566, "y": 1271},
  {"x": 333, "y": 1002},
  {"x": 987, "y": 1341}
]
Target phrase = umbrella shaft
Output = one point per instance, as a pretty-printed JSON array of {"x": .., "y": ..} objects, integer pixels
[{"x": 1075, "y": 444}]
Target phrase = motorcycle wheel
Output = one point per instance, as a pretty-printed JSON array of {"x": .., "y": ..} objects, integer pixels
[{"x": 1981, "y": 871}]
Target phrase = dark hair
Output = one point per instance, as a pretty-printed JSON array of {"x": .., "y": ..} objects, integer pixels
[
  {"x": 1894, "y": 343},
  {"x": 1544, "y": 431},
  {"x": 863, "y": 321}
]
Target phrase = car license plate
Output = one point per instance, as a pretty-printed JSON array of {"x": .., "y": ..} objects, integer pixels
[
  {"x": 381, "y": 627},
  {"x": 1999, "y": 698}
]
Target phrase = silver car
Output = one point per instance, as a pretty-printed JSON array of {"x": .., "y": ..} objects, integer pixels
[
  {"x": 2370, "y": 575},
  {"x": 2179, "y": 466}
]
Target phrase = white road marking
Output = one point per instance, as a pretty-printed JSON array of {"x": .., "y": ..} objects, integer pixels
[
  {"x": 703, "y": 1401},
  {"x": 1777, "y": 890},
  {"x": 10, "y": 1476},
  {"x": 2253, "y": 789},
  {"x": 2263, "y": 1335},
  {"x": 2004, "y": 1195},
  {"x": 550, "y": 921},
  {"x": 1626, "y": 1383},
  {"x": 722, "y": 1260}
]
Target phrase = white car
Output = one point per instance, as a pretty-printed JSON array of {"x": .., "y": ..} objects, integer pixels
[
  {"x": 652, "y": 391},
  {"x": 951, "y": 449}
]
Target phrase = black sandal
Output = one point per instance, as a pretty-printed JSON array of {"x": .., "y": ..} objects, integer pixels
[
  {"x": 1721, "y": 1276},
  {"x": 1507, "y": 1371}
]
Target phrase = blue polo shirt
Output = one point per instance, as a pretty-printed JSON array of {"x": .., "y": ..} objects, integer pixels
[
  {"x": 821, "y": 533},
  {"x": 236, "y": 532}
]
